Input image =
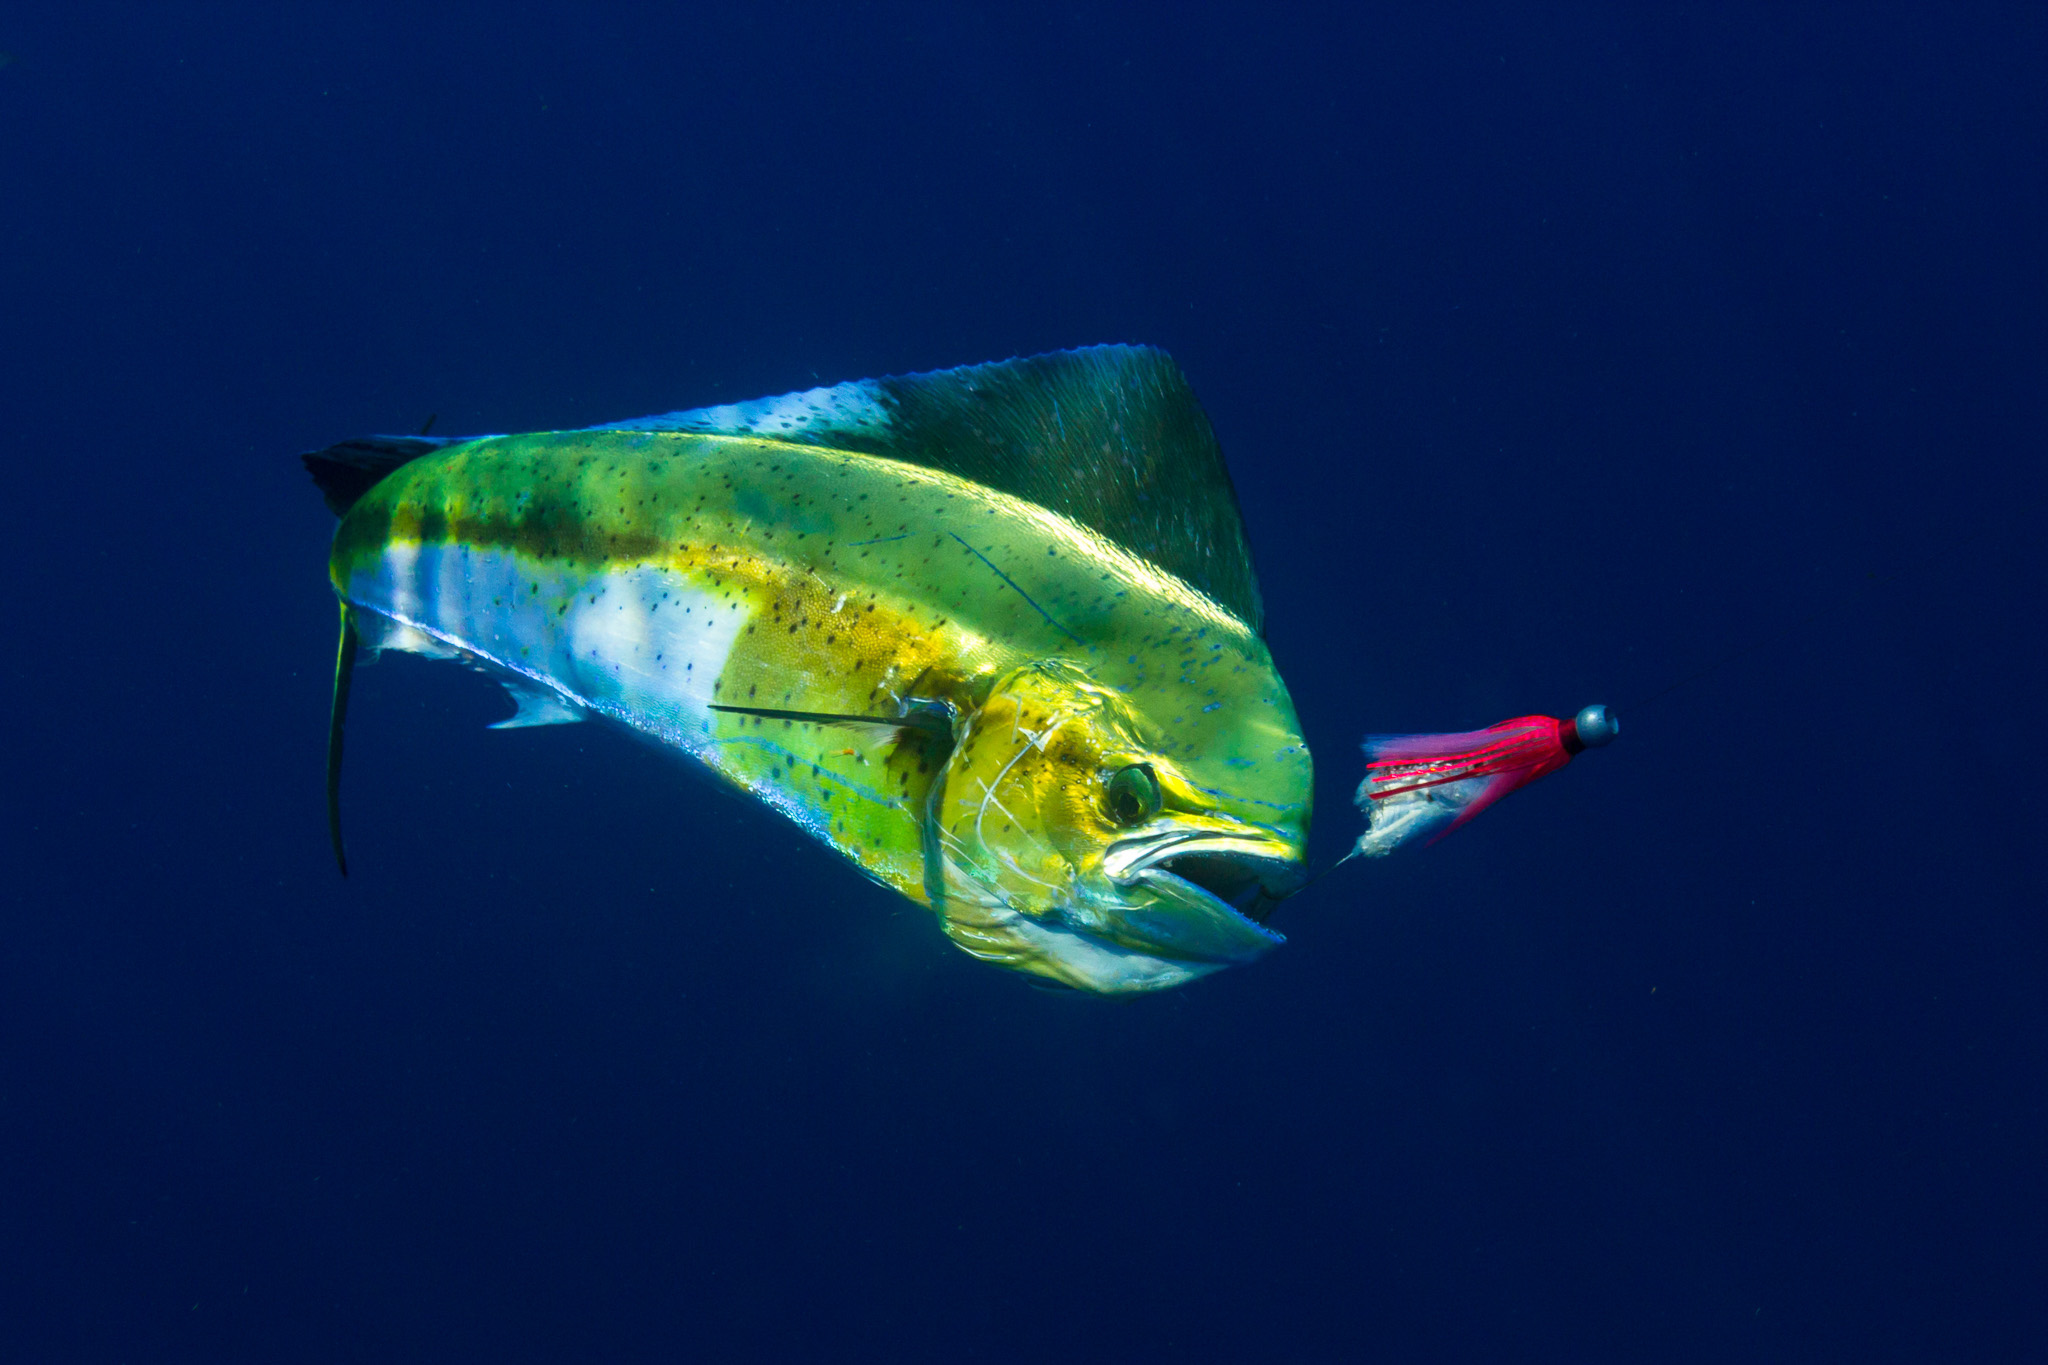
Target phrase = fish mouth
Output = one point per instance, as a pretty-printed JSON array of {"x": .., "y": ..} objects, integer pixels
[{"x": 1246, "y": 874}]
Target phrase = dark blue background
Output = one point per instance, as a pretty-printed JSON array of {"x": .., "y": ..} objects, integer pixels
[{"x": 1556, "y": 355}]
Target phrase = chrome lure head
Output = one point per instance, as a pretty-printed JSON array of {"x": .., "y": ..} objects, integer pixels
[{"x": 1595, "y": 726}]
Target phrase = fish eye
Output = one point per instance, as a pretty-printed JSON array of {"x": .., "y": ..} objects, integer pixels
[{"x": 1133, "y": 794}]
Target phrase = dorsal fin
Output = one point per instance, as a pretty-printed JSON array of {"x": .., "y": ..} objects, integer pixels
[{"x": 1110, "y": 436}]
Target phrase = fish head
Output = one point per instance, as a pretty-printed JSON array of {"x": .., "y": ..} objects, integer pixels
[{"x": 1076, "y": 841}]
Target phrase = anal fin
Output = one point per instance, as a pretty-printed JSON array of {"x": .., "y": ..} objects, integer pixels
[
  {"x": 537, "y": 705},
  {"x": 378, "y": 633}
]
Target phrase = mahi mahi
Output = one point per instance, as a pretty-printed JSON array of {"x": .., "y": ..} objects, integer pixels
[{"x": 992, "y": 633}]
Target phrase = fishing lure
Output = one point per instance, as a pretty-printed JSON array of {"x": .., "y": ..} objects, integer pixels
[{"x": 1429, "y": 785}]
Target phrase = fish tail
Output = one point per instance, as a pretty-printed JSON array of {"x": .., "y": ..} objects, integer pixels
[{"x": 344, "y": 673}]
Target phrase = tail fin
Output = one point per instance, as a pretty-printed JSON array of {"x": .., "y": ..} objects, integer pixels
[
  {"x": 344, "y": 473},
  {"x": 347, "y": 471},
  {"x": 337, "y": 719}
]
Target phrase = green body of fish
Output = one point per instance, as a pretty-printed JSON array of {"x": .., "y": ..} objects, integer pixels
[{"x": 1005, "y": 707}]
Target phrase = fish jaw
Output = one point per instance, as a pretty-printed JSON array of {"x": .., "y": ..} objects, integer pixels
[
  {"x": 1149, "y": 929},
  {"x": 1246, "y": 873}
]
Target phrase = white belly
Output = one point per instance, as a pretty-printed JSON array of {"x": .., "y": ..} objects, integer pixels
[{"x": 641, "y": 645}]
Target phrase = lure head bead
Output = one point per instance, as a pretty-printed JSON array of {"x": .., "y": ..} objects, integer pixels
[{"x": 1596, "y": 726}]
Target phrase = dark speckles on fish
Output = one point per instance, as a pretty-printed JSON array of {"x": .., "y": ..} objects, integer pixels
[{"x": 992, "y": 633}]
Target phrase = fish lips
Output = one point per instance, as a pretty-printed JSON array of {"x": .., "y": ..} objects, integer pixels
[{"x": 1208, "y": 891}]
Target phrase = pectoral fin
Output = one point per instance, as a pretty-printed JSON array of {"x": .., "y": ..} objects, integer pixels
[
  {"x": 933, "y": 719},
  {"x": 932, "y": 725}
]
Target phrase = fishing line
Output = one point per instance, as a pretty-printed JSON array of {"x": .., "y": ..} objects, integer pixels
[
  {"x": 1755, "y": 646},
  {"x": 1949, "y": 554},
  {"x": 1442, "y": 781},
  {"x": 1318, "y": 876}
]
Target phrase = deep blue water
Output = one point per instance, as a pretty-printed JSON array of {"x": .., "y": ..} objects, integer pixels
[{"x": 1556, "y": 356}]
